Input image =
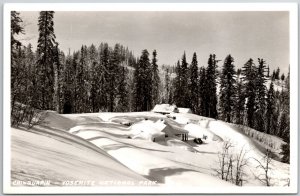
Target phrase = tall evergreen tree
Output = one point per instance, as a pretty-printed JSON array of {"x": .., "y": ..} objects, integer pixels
[
  {"x": 155, "y": 79},
  {"x": 76, "y": 85},
  {"x": 81, "y": 93},
  {"x": 277, "y": 73},
  {"x": 166, "y": 87},
  {"x": 83, "y": 61},
  {"x": 184, "y": 83},
  {"x": 270, "y": 110},
  {"x": 202, "y": 92},
  {"x": 142, "y": 83},
  {"x": 211, "y": 86},
  {"x": 94, "y": 78},
  {"x": 284, "y": 123},
  {"x": 239, "y": 107},
  {"x": 178, "y": 90},
  {"x": 45, "y": 61},
  {"x": 249, "y": 72},
  {"x": 104, "y": 84},
  {"x": 68, "y": 86},
  {"x": 260, "y": 80},
  {"x": 16, "y": 29},
  {"x": 113, "y": 69},
  {"x": 58, "y": 78},
  {"x": 193, "y": 84},
  {"x": 123, "y": 94},
  {"x": 227, "y": 89}
]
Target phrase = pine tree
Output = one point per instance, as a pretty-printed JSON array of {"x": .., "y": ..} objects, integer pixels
[
  {"x": 273, "y": 76},
  {"x": 178, "y": 85},
  {"x": 123, "y": 94},
  {"x": 227, "y": 89},
  {"x": 193, "y": 84},
  {"x": 268, "y": 72},
  {"x": 76, "y": 76},
  {"x": 103, "y": 84},
  {"x": 239, "y": 101},
  {"x": 260, "y": 80},
  {"x": 284, "y": 124},
  {"x": 68, "y": 86},
  {"x": 277, "y": 74},
  {"x": 58, "y": 78},
  {"x": 86, "y": 80},
  {"x": 45, "y": 61},
  {"x": 249, "y": 75},
  {"x": 142, "y": 83},
  {"x": 211, "y": 86},
  {"x": 270, "y": 110},
  {"x": 155, "y": 79},
  {"x": 184, "y": 83},
  {"x": 113, "y": 68},
  {"x": 166, "y": 87},
  {"x": 16, "y": 29},
  {"x": 202, "y": 92},
  {"x": 94, "y": 78},
  {"x": 80, "y": 83},
  {"x": 282, "y": 77}
]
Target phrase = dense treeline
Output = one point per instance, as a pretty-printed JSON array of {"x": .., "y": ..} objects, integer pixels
[
  {"x": 110, "y": 78},
  {"x": 243, "y": 96}
]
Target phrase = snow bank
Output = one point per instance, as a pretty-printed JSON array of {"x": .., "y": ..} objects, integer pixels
[
  {"x": 179, "y": 144},
  {"x": 37, "y": 156},
  {"x": 83, "y": 118},
  {"x": 102, "y": 147},
  {"x": 58, "y": 121},
  {"x": 198, "y": 131},
  {"x": 147, "y": 130}
]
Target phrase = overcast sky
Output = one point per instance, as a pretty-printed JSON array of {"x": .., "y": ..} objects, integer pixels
[{"x": 244, "y": 35}]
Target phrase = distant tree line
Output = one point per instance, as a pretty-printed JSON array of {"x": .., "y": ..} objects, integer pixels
[
  {"x": 112, "y": 79},
  {"x": 242, "y": 98}
]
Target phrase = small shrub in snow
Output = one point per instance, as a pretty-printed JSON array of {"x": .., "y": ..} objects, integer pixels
[
  {"x": 232, "y": 166},
  {"x": 27, "y": 116},
  {"x": 264, "y": 165}
]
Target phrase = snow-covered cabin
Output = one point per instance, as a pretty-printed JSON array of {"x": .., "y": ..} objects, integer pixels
[
  {"x": 157, "y": 131},
  {"x": 165, "y": 108},
  {"x": 174, "y": 129}
]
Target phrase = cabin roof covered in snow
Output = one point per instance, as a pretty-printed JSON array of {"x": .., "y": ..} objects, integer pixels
[
  {"x": 184, "y": 110},
  {"x": 167, "y": 109},
  {"x": 164, "y": 108}
]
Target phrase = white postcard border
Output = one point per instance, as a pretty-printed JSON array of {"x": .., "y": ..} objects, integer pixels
[{"x": 291, "y": 7}]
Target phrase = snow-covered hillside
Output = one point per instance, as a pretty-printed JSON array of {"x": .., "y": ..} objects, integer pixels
[{"x": 102, "y": 146}]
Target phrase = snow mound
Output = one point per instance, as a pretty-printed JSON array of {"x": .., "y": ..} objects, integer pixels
[
  {"x": 147, "y": 129},
  {"x": 180, "y": 144},
  {"x": 55, "y": 120},
  {"x": 198, "y": 131},
  {"x": 84, "y": 118},
  {"x": 36, "y": 156},
  {"x": 134, "y": 116}
]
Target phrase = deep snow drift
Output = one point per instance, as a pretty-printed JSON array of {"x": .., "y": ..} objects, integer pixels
[{"x": 119, "y": 146}]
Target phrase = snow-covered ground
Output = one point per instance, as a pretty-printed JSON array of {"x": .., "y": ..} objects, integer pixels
[{"x": 103, "y": 146}]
